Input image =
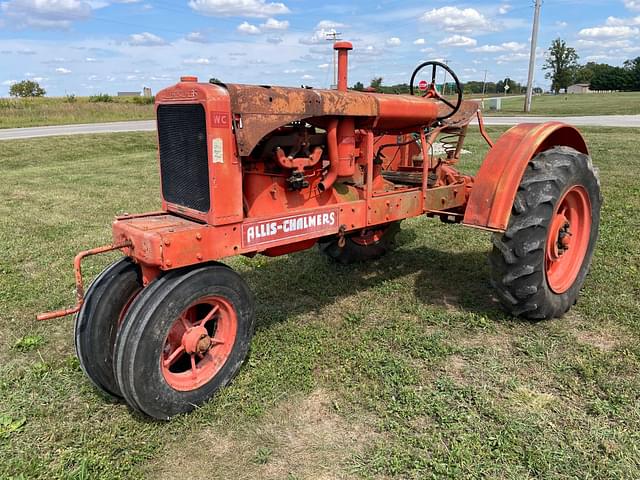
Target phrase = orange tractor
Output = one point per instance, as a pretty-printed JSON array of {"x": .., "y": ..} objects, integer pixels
[{"x": 272, "y": 170}]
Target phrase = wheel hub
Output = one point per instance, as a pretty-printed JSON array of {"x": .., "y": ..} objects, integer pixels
[
  {"x": 196, "y": 340},
  {"x": 199, "y": 343}
]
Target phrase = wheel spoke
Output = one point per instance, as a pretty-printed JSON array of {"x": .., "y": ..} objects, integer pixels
[
  {"x": 433, "y": 76},
  {"x": 447, "y": 102},
  {"x": 210, "y": 315},
  {"x": 194, "y": 369},
  {"x": 216, "y": 341},
  {"x": 174, "y": 356},
  {"x": 184, "y": 321}
]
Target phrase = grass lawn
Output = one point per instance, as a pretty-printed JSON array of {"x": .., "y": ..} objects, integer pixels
[
  {"x": 35, "y": 112},
  {"x": 400, "y": 368},
  {"x": 621, "y": 103}
]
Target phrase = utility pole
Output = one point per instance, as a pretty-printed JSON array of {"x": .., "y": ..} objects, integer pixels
[
  {"x": 334, "y": 37},
  {"x": 444, "y": 80},
  {"x": 484, "y": 82},
  {"x": 532, "y": 56}
]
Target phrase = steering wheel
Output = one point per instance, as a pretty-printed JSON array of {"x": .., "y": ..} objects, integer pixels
[{"x": 430, "y": 90}]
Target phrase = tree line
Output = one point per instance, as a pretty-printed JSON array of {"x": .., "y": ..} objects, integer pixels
[
  {"x": 468, "y": 87},
  {"x": 563, "y": 70}
]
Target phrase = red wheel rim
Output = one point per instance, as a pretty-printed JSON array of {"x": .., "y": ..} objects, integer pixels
[
  {"x": 568, "y": 239},
  {"x": 368, "y": 237},
  {"x": 199, "y": 343}
]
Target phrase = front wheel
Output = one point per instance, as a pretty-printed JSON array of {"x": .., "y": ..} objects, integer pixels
[
  {"x": 99, "y": 319},
  {"x": 185, "y": 337},
  {"x": 540, "y": 263}
]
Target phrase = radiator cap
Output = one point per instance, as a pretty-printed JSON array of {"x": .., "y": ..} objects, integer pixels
[{"x": 189, "y": 79}]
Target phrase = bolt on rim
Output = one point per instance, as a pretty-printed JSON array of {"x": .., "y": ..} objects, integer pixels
[{"x": 199, "y": 343}]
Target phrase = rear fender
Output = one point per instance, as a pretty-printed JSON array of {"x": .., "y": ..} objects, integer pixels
[{"x": 496, "y": 183}]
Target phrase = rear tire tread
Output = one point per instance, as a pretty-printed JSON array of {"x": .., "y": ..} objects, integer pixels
[{"x": 518, "y": 257}]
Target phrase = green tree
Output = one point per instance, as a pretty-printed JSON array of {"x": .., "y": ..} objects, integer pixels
[
  {"x": 376, "y": 83},
  {"x": 514, "y": 87},
  {"x": 633, "y": 69},
  {"x": 584, "y": 73},
  {"x": 358, "y": 86},
  {"x": 561, "y": 63},
  {"x": 607, "y": 77},
  {"x": 27, "y": 88}
]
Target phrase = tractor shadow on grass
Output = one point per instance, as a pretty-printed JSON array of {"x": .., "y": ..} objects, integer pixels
[{"x": 307, "y": 281}]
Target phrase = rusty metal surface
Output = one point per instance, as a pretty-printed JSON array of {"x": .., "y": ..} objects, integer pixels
[
  {"x": 263, "y": 109},
  {"x": 497, "y": 180},
  {"x": 468, "y": 110},
  {"x": 394, "y": 206}
]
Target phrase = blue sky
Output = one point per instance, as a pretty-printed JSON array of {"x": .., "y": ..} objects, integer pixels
[{"x": 84, "y": 47}]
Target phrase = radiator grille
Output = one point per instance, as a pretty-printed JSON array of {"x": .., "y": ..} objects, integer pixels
[{"x": 183, "y": 155}]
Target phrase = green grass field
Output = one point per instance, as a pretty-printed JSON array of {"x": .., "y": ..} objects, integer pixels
[
  {"x": 621, "y": 103},
  {"x": 401, "y": 368},
  {"x": 35, "y": 112}
]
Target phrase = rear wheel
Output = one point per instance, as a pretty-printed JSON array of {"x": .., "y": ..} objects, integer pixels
[
  {"x": 97, "y": 323},
  {"x": 184, "y": 339},
  {"x": 540, "y": 263},
  {"x": 367, "y": 244}
]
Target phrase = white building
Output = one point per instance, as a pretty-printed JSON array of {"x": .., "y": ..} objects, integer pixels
[{"x": 578, "y": 88}]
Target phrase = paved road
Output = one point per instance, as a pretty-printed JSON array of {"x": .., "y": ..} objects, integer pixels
[
  {"x": 111, "y": 127},
  {"x": 587, "y": 121},
  {"x": 150, "y": 125}
]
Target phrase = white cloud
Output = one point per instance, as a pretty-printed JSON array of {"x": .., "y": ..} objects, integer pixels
[
  {"x": 418, "y": 41},
  {"x": 615, "y": 21},
  {"x": 511, "y": 57},
  {"x": 9, "y": 82},
  {"x": 307, "y": 77},
  {"x": 504, "y": 9},
  {"x": 63, "y": 71},
  {"x": 454, "y": 19},
  {"x": 237, "y": 8},
  {"x": 609, "y": 32},
  {"x": 323, "y": 66},
  {"x": 319, "y": 36},
  {"x": 197, "y": 37},
  {"x": 273, "y": 24},
  {"x": 90, "y": 60},
  {"x": 248, "y": 29},
  {"x": 145, "y": 39},
  {"x": 633, "y": 5},
  {"x": 503, "y": 47},
  {"x": 394, "y": 42},
  {"x": 560, "y": 24},
  {"x": 46, "y": 14},
  {"x": 625, "y": 46},
  {"x": 196, "y": 61},
  {"x": 275, "y": 39},
  {"x": 595, "y": 58},
  {"x": 326, "y": 24},
  {"x": 458, "y": 41}
]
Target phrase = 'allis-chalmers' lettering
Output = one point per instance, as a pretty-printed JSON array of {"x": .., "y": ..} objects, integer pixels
[{"x": 270, "y": 231}]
